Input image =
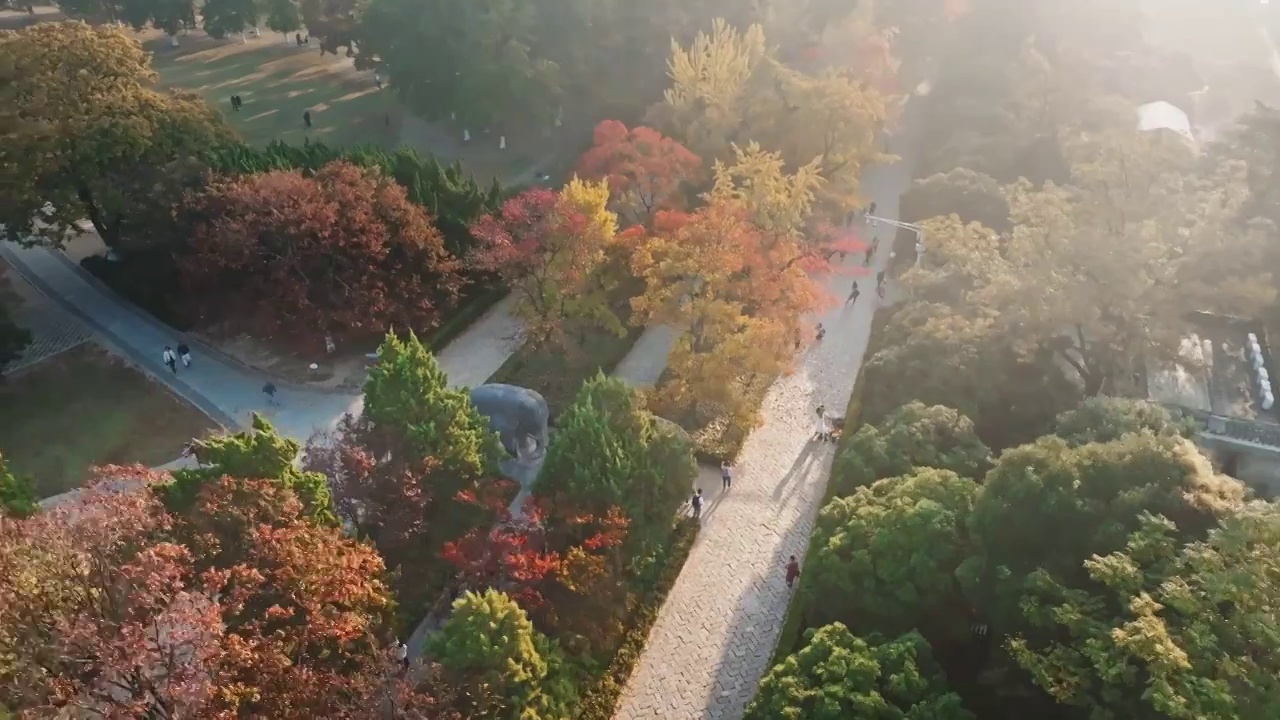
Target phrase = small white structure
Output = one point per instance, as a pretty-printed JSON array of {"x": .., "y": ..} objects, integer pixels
[
  {"x": 1161, "y": 115},
  {"x": 502, "y": 142}
]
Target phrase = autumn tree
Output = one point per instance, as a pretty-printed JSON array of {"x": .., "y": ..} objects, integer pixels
[
  {"x": 736, "y": 297},
  {"x": 837, "y": 675},
  {"x": 551, "y": 247},
  {"x": 306, "y": 609},
  {"x": 729, "y": 88},
  {"x": 507, "y": 669},
  {"x": 1049, "y": 506},
  {"x": 99, "y": 610},
  {"x": 890, "y": 552},
  {"x": 566, "y": 568},
  {"x": 913, "y": 436},
  {"x": 610, "y": 451},
  {"x": 646, "y": 171},
  {"x": 259, "y": 453},
  {"x": 1165, "y": 630},
  {"x": 341, "y": 253},
  {"x": 85, "y": 118},
  {"x": 397, "y": 470}
]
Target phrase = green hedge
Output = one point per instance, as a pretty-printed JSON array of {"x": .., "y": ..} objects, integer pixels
[{"x": 600, "y": 700}]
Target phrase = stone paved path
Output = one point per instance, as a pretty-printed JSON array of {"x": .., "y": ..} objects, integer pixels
[
  {"x": 646, "y": 360},
  {"x": 53, "y": 329},
  {"x": 715, "y": 634},
  {"x": 229, "y": 394}
]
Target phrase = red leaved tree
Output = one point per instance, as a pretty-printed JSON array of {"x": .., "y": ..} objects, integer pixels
[
  {"x": 565, "y": 571},
  {"x": 552, "y": 249},
  {"x": 101, "y": 614},
  {"x": 341, "y": 253},
  {"x": 646, "y": 171},
  {"x": 306, "y": 609}
]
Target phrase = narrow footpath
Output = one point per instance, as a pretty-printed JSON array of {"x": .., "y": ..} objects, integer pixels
[
  {"x": 718, "y": 629},
  {"x": 231, "y": 393}
]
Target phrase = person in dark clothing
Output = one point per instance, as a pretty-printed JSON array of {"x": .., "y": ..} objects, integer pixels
[
  {"x": 879, "y": 278},
  {"x": 297, "y": 37},
  {"x": 853, "y": 295},
  {"x": 820, "y": 332},
  {"x": 306, "y": 118},
  {"x": 696, "y": 503},
  {"x": 184, "y": 353},
  {"x": 793, "y": 571}
]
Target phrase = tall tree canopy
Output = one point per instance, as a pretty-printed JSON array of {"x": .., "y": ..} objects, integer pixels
[
  {"x": 610, "y": 451},
  {"x": 913, "y": 436},
  {"x": 478, "y": 61},
  {"x": 342, "y": 253},
  {"x": 1163, "y": 630},
  {"x": 86, "y": 116},
  {"x": 836, "y": 676},
  {"x": 890, "y": 552},
  {"x": 1050, "y": 506}
]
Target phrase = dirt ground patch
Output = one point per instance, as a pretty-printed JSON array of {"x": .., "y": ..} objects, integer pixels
[{"x": 86, "y": 407}]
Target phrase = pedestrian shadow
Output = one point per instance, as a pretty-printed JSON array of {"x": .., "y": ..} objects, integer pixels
[{"x": 807, "y": 456}]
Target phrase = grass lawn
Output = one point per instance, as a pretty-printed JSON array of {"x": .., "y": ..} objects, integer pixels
[
  {"x": 84, "y": 408},
  {"x": 278, "y": 82}
]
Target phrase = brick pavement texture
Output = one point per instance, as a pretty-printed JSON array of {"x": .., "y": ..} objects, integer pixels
[
  {"x": 717, "y": 631},
  {"x": 53, "y": 329}
]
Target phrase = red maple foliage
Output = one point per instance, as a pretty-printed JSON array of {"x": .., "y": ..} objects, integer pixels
[
  {"x": 306, "y": 609},
  {"x": 100, "y": 614},
  {"x": 514, "y": 242},
  {"x": 341, "y": 253},
  {"x": 646, "y": 171},
  {"x": 559, "y": 569}
]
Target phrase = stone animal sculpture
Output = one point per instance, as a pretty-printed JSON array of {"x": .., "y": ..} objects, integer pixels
[{"x": 519, "y": 416}]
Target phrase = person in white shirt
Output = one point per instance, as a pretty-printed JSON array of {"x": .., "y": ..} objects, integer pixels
[{"x": 170, "y": 360}]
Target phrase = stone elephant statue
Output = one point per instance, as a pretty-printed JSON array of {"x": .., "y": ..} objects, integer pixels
[{"x": 519, "y": 416}]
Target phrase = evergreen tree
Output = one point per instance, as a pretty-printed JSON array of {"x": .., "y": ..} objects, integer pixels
[
  {"x": 257, "y": 454},
  {"x": 490, "y": 651}
]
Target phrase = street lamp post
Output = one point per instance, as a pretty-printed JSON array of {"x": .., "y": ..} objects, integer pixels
[{"x": 874, "y": 220}]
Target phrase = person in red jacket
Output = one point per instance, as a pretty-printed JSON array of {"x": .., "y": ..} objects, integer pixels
[{"x": 793, "y": 571}]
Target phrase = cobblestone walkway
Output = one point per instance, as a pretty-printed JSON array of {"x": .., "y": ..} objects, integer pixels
[
  {"x": 715, "y": 634},
  {"x": 53, "y": 330}
]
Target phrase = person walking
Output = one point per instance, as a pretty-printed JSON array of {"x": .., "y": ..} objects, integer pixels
[
  {"x": 820, "y": 431},
  {"x": 853, "y": 294},
  {"x": 306, "y": 118},
  {"x": 726, "y": 474},
  {"x": 184, "y": 352},
  {"x": 170, "y": 360},
  {"x": 793, "y": 571},
  {"x": 298, "y": 38},
  {"x": 696, "y": 503},
  {"x": 820, "y": 332},
  {"x": 270, "y": 391},
  {"x": 402, "y": 655},
  {"x": 879, "y": 278},
  {"x": 377, "y": 80}
]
